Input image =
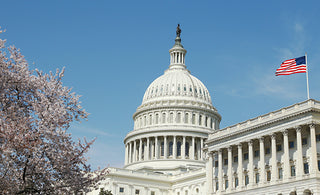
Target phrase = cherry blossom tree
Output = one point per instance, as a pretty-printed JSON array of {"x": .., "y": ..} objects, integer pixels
[{"x": 37, "y": 154}]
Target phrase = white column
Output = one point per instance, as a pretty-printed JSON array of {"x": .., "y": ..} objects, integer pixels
[
  {"x": 165, "y": 147},
  {"x": 286, "y": 159},
  {"x": 135, "y": 151},
  {"x": 299, "y": 166},
  {"x": 250, "y": 164},
  {"x": 220, "y": 171},
  {"x": 140, "y": 150},
  {"x": 130, "y": 152},
  {"x": 230, "y": 178},
  {"x": 210, "y": 173},
  {"x": 240, "y": 166},
  {"x": 201, "y": 147},
  {"x": 147, "y": 149},
  {"x": 314, "y": 156},
  {"x": 126, "y": 155},
  {"x": 262, "y": 161},
  {"x": 192, "y": 149},
  {"x": 152, "y": 149},
  {"x": 183, "y": 148},
  {"x": 156, "y": 147},
  {"x": 174, "y": 152},
  {"x": 274, "y": 167}
]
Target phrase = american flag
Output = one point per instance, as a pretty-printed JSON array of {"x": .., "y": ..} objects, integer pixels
[{"x": 292, "y": 66}]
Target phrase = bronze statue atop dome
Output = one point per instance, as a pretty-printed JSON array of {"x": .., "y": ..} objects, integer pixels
[{"x": 178, "y": 30}]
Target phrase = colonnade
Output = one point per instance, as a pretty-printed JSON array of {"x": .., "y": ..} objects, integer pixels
[
  {"x": 164, "y": 147},
  {"x": 267, "y": 159},
  {"x": 177, "y": 58}
]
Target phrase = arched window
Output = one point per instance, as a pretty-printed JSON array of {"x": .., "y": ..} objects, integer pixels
[
  {"x": 193, "y": 118},
  {"x": 162, "y": 149},
  {"x": 170, "y": 148},
  {"x": 164, "y": 118},
  {"x": 171, "y": 118},
  {"x": 178, "y": 117},
  {"x": 157, "y": 119},
  {"x": 150, "y": 119},
  {"x": 206, "y": 122},
  {"x": 186, "y": 118},
  {"x": 178, "y": 148},
  {"x": 200, "y": 119},
  {"x": 187, "y": 148},
  {"x": 144, "y": 120}
]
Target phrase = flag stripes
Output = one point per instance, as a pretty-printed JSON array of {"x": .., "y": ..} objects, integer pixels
[{"x": 292, "y": 66}]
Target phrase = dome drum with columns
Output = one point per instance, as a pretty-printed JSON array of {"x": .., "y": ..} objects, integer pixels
[{"x": 173, "y": 121}]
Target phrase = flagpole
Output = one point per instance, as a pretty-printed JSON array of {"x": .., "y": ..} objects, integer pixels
[{"x": 307, "y": 76}]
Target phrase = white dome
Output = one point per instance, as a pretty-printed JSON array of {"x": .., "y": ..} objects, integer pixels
[{"x": 177, "y": 84}]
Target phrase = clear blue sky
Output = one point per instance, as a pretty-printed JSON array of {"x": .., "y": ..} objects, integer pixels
[{"x": 113, "y": 50}]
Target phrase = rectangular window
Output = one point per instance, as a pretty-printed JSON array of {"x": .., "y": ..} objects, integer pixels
[
  {"x": 225, "y": 161},
  {"x": 217, "y": 186},
  {"x": 236, "y": 182},
  {"x": 121, "y": 190},
  {"x": 268, "y": 175},
  {"x": 137, "y": 192},
  {"x": 246, "y": 180},
  {"x": 279, "y": 147},
  {"x": 235, "y": 159},
  {"x": 280, "y": 175},
  {"x": 293, "y": 171},
  {"x": 153, "y": 193},
  {"x": 304, "y": 141},
  {"x": 256, "y": 153},
  {"x": 226, "y": 184},
  {"x": 267, "y": 151},
  {"x": 245, "y": 156},
  {"x": 257, "y": 178},
  {"x": 216, "y": 163},
  {"x": 318, "y": 137},
  {"x": 291, "y": 144},
  {"x": 306, "y": 168}
]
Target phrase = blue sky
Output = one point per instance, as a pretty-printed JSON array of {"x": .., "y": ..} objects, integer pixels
[{"x": 113, "y": 50}]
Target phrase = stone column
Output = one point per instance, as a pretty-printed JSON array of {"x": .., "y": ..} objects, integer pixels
[
  {"x": 152, "y": 149},
  {"x": 192, "y": 149},
  {"x": 209, "y": 174},
  {"x": 299, "y": 166},
  {"x": 250, "y": 164},
  {"x": 286, "y": 159},
  {"x": 140, "y": 150},
  {"x": 165, "y": 147},
  {"x": 262, "y": 162},
  {"x": 147, "y": 149},
  {"x": 156, "y": 147},
  {"x": 240, "y": 166},
  {"x": 274, "y": 167},
  {"x": 174, "y": 149},
  {"x": 183, "y": 148},
  {"x": 201, "y": 147},
  {"x": 126, "y": 155},
  {"x": 230, "y": 178},
  {"x": 134, "y": 151},
  {"x": 220, "y": 170},
  {"x": 314, "y": 156}
]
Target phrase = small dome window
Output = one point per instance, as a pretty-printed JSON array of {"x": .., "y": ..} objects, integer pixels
[
  {"x": 190, "y": 89},
  {"x": 200, "y": 91},
  {"x": 184, "y": 88}
]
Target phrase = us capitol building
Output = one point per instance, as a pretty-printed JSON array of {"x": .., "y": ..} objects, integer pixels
[{"x": 177, "y": 148}]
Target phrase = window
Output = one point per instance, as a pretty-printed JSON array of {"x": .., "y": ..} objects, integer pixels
[
  {"x": 186, "y": 118},
  {"x": 217, "y": 186},
  {"x": 245, "y": 156},
  {"x": 164, "y": 118},
  {"x": 187, "y": 148},
  {"x": 319, "y": 165},
  {"x": 162, "y": 149},
  {"x": 256, "y": 153},
  {"x": 121, "y": 190},
  {"x": 178, "y": 119},
  {"x": 257, "y": 177},
  {"x": 178, "y": 148},
  {"x": 235, "y": 159},
  {"x": 193, "y": 118},
  {"x": 216, "y": 164},
  {"x": 318, "y": 137},
  {"x": 153, "y": 193},
  {"x": 304, "y": 141},
  {"x": 268, "y": 175},
  {"x": 137, "y": 192},
  {"x": 291, "y": 144},
  {"x": 200, "y": 120},
  {"x": 170, "y": 148},
  {"x": 267, "y": 151},
  {"x": 246, "y": 180},
  {"x": 293, "y": 171},
  {"x": 280, "y": 174},
  {"x": 306, "y": 168},
  {"x": 236, "y": 182},
  {"x": 279, "y": 147},
  {"x": 226, "y": 184},
  {"x": 225, "y": 161}
]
